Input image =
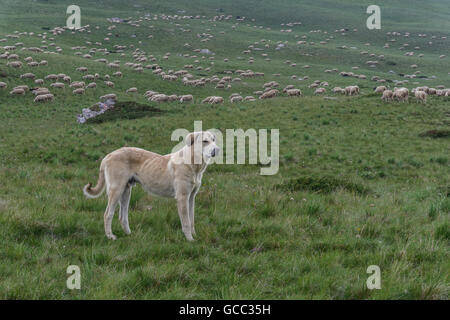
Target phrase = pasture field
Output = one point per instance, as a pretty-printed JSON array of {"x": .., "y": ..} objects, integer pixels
[{"x": 361, "y": 182}]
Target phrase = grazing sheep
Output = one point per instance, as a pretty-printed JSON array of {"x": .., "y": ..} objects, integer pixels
[
  {"x": 338, "y": 90},
  {"x": 78, "y": 91},
  {"x": 236, "y": 98},
  {"x": 207, "y": 99},
  {"x": 59, "y": 85},
  {"x": 351, "y": 90},
  {"x": 187, "y": 97},
  {"x": 421, "y": 96},
  {"x": 44, "y": 97},
  {"x": 3, "y": 85},
  {"x": 109, "y": 96},
  {"x": 40, "y": 91},
  {"x": 269, "y": 94},
  {"x": 288, "y": 87},
  {"x": 388, "y": 95},
  {"x": 401, "y": 94},
  {"x": 77, "y": 84},
  {"x": 320, "y": 91},
  {"x": 134, "y": 90},
  {"x": 216, "y": 100},
  {"x": 380, "y": 89},
  {"x": 17, "y": 91},
  {"x": 109, "y": 84},
  {"x": 294, "y": 92},
  {"x": 15, "y": 64},
  {"x": 27, "y": 76},
  {"x": 159, "y": 97}
]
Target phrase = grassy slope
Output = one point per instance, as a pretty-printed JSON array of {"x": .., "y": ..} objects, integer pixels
[{"x": 308, "y": 245}]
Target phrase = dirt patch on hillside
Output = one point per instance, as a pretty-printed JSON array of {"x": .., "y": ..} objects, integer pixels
[
  {"x": 325, "y": 184},
  {"x": 127, "y": 110},
  {"x": 436, "y": 134}
]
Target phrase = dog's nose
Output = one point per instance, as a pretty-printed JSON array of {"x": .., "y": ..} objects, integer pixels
[{"x": 213, "y": 153}]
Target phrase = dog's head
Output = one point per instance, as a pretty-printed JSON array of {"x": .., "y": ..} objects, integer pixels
[{"x": 203, "y": 143}]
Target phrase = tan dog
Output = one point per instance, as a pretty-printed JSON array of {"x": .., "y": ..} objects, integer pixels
[{"x": 177, "y": 175}]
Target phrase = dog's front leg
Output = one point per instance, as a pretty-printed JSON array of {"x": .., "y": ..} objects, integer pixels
[
  {"x": 192, "y": 210},
  {"x": 183, "y": 212}
]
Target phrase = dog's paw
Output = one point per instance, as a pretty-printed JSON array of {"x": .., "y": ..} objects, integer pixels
[{"x": 111, "y": 236}]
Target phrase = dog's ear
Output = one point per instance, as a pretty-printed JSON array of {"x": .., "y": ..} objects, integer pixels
[{"x": 190, "y": 139}]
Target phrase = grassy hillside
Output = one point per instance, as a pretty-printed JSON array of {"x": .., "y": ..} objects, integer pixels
[{"x": 360, "y": 182}]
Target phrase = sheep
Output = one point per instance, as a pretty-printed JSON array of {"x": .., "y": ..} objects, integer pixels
[
  {"x": 421, "y": 96},
  {"x": 3, "y": 85},
  {"x": 207, "y": 99},
  {"x": 216, "y": 100},
  {"x": 338, "y": 90},
  {"x": 380, "y": 89},
  {"x": 159, "y": 97},
  {"x": 401, "y": 94},
  {"x": 78, "y": 91},
  {"x": 134, "y": 90},
  {"x": 77, "y": 84},
  {"x": 109, "y": 84},
  {"x": 173, "y": 97},
  {"x": 40, "y": 91},
  {"x": 351, "y": 90},
  {"x": 187, "y": 97},
  {"x": 51, "y": 77},
  {"x": 14, "y": 64},
  {"x": 27, "y": 76},
  {"x": 236, "y": 99},
  {"x": 388, "y": 95},
  {"x": 59, "y": 85},
  {"x": 17, "y": 91},
  {"x": 44, "y": 97},
  {"x": 288, "y": 87},
  {"x": 109, "y": 96},
  {"x": 39, "y": 81},
  {"x": 91, "y": 85},
  {"x": 269, "y": 94},
  {"x": 320, "y": 91},
  {"x": 294, "y": 92}
]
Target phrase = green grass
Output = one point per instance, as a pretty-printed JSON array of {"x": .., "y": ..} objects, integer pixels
[{"x": 360, "y": 183}]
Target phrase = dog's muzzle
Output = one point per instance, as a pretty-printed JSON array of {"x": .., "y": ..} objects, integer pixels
[{"x": 215, "y": 152}]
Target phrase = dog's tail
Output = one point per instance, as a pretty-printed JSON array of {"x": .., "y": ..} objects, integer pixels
[{"x": 98, "y": 189}]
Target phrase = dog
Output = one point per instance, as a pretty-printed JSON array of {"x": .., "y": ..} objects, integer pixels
[{"x": 177, "y": 175}]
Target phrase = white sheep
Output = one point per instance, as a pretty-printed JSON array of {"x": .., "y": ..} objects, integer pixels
[
  {"x": 421, "y": 96},
  {"x": 187, "y": 97},
  {"x": 294, "y": 92},
  {"x": 388, "y": 95}
]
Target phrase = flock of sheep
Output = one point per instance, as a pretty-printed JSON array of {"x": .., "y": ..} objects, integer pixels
[{"x": 18, "y": 56}]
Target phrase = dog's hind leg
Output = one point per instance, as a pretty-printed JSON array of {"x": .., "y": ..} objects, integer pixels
[
  {"x": 124, "y": 204},
  {"x": 114, "y": 195}
]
